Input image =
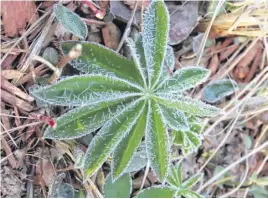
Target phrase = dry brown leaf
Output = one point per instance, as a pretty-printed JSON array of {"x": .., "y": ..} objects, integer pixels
[
  {"x": 11, "y": 74},
  {"x": 16, "y": 14},
  {"x": 47, "y": 171},
  {"x": 111, "y": 35}
]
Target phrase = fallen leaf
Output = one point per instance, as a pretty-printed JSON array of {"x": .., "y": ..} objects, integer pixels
[
  {"x": 47, "y": 171},
  {"x": 183, "y": 19},
  {"x": 16, "y": 14},
  {"x": 111, "y": 35}
]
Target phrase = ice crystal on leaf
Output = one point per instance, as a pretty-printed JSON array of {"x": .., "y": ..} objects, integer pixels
[{"x": 128, "y": 100}]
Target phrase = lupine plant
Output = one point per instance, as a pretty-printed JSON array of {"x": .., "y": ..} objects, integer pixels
[{"x": 128, "y": 101}]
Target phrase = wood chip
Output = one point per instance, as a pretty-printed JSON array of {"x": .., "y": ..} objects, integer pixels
[
  {"x": 16, "y": 91},
  {"x": 15, "y": 101},
  {"x": 16, "y": 14}
]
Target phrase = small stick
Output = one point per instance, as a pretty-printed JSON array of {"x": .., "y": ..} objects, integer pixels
[
  {"x": 43, "y": 61},
  {"x": 75, "y": 52},
  {"x": 128, "y": 27}
]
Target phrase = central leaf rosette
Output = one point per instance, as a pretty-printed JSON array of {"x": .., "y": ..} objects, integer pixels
[{"x": 130, "y": 101}]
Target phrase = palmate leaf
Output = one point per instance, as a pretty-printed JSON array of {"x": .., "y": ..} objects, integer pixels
[
  {"x": 173, "y": 118},
  {"x": 155, "y": 35},
  {"x": 184, "y": 79},
  {"x": 128, "y": 145},
  {"x": 189, "y": 140},
  {"x": 187, "y": 193},
  {"x": 187, "y": 105},
  {"x": 175, "y": 175},
  {"x": 157, "y": 142},
  {"x": 83, "y": 120},
  {"x": 121, "y": 188},
  {"x": 110, "y": 135},
  {"x": 99, "y": 59},
  {"x": 129, "y": 101},
  {"x": 85, "y": 89},
  {"x": 157, "y": 192}
]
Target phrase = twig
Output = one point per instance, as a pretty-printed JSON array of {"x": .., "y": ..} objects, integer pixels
[
  {"x": 75, "y": 52},
  {"x": 204, "y": 39},
  {"x": 20, "y": 127},
  {"x": 145, "y": 175},
  {"x": 127, "y": 28},
  {"x": 43, "y": 61},
  {"x": 263, "y": 146}
]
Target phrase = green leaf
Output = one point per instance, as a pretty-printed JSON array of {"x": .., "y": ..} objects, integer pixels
[
  {"x": 189, "y": 194},
  {"x": 184, "y": 79},
  {"x": 155, "y": 35},
  {"x": 187, "y": 105},
  {"x": 259, "y": 192},
  {"x": 192, "y": 181},
  {"x": 175, "y": 175},
  {"x": 84, "y": 89},
  {"x": 138, "y": 161},
  {"x": 156, "y": 192},
  {"x": 101, "y": 60},
  {"x": 109, "y": 136},
  {"x": 261, "y": 181},
  {"x": 82, "y": 120},
  {"x": 58, "y": 189},
  {"x": 178, "y": 138},
  {"x": 219, "y": 89},
  {"x": 128, "y": 145},
  {"x": 194, "y": 139},
  {"x": 168, "y": 65},
  {"x": 137, "y": 53},
  {"x": 70, "y": 21},
  {"x": 173, "y": 118},
  {"x": 121, "y": 188},
  {"x": 157, "y": 143},
  {"x": 247, "y": 141}
]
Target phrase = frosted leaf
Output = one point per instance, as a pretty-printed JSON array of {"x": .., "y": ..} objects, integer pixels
[
  {"x": 138, "y": 162},
  {"x": 70, "y": 21},
  {"x": 173, "y": 118},
  {"x": 79, "y": 157},
  {"x": 110, "y": 135},
  {"x": 137, "y": 54},
  {"x": 219, "y": 89},
  {"x": 96, "y": 58},
  {"x": 157, "y": 192},
  {"x": 175, "y": 175},
  {"x": 155, "y": 35},
  {"x": 58, "y": 189},
  {"x": 167, "y": 66},
  {"x": 184, "y": 79},
  {"x": 187, "y": 105},
  {"x": 187, "y": 193},
  {"x": 157, "y": 143},
  {"x": 192, "y": 181},
  {"x": 83, "y": 120},
  {"x": 84, "y": 89},
  {"x": 125, "y": 150},
  {"x": 121, "y": 188}
]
